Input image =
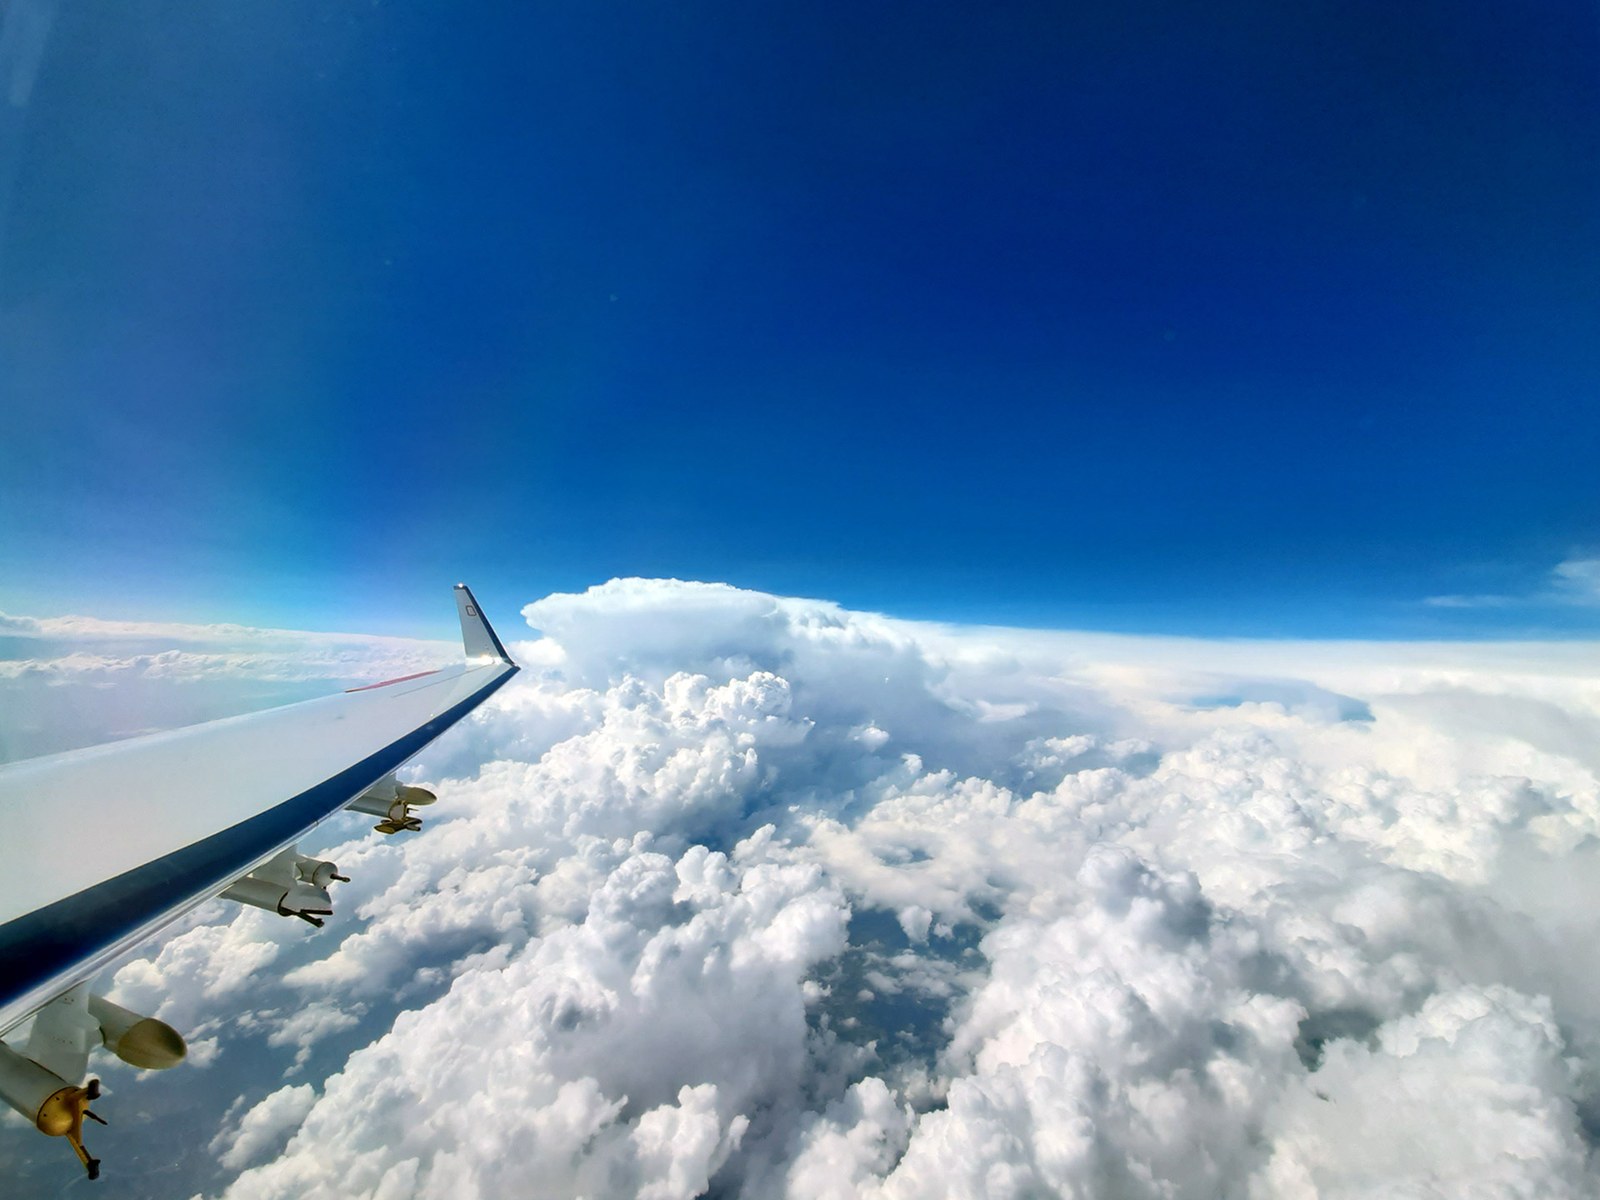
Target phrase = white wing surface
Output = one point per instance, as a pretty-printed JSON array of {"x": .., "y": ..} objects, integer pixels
[{"x": 100, "y": 848}]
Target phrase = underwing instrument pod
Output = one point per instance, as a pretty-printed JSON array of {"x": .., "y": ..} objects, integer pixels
[{"x": 105, "y": 846}]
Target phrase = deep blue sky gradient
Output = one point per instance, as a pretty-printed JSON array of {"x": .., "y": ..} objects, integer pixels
[{"x": 1243, "y": 318}]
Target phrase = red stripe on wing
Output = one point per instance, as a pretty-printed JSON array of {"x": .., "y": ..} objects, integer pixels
[{"x": 387, "y": 682}]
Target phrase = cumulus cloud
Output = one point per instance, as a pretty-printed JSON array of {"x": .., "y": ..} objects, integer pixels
[
  {"x": 264, "y": 1127},
  {"x": 760, "y": 896},
  {"x": 627, "y": 1054},
  {"x": 1368, "y": 1119}
]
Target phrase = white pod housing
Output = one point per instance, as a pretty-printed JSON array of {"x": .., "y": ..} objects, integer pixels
[
  {"x": 393, "y": 802},
  {"x": 318, "y": 872},
  {"x": 54, "y": 1106},
  {"x": 301, "y": 900},
  {"x": 25, "y": 1085},
  {"x": 139, "y": 1041}
]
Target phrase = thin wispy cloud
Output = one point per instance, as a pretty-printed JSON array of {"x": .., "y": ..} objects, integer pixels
[{"x": 1573, "y": 582}]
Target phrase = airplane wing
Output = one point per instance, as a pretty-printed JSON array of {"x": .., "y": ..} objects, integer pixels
[{"x": 102, "y": 847}]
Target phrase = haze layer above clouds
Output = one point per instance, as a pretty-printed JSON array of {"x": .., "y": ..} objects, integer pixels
[{"x": 764, "y": 896}]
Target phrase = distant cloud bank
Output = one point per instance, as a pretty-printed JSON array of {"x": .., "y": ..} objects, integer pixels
[
  {"x": 74, "y": 681},
  {"x": 761, "y": 895}
]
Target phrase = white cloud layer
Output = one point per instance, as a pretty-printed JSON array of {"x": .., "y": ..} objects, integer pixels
[
  {"x": 760, "y": 895},
  {"x": 67, "y": 682}
]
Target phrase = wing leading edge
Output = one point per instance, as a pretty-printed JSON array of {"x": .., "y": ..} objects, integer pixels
[{"x": 105, "y": 846}]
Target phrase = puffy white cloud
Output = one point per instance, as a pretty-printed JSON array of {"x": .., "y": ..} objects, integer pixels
[
  {"x": 202, "y": 966},
  {"x": 1114, "y": 1038},
  {"x": 629, "y": 1053},
  {"x": 844, "y": 1149},
  {"x": 1473, "y": 1095},
  {"x": 265, "y": 1126},
  {"x": 757, "y": 894},
  {"x": 306, "y": 1026}
]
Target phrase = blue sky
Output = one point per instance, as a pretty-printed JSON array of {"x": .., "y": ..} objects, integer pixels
[{"x": 1256, "y": 319}]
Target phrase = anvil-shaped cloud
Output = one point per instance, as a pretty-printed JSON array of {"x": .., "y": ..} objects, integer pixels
[{"x": 761, "y": 896}]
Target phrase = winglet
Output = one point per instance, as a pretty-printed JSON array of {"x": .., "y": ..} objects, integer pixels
[{"x": 476, "y": 634}]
